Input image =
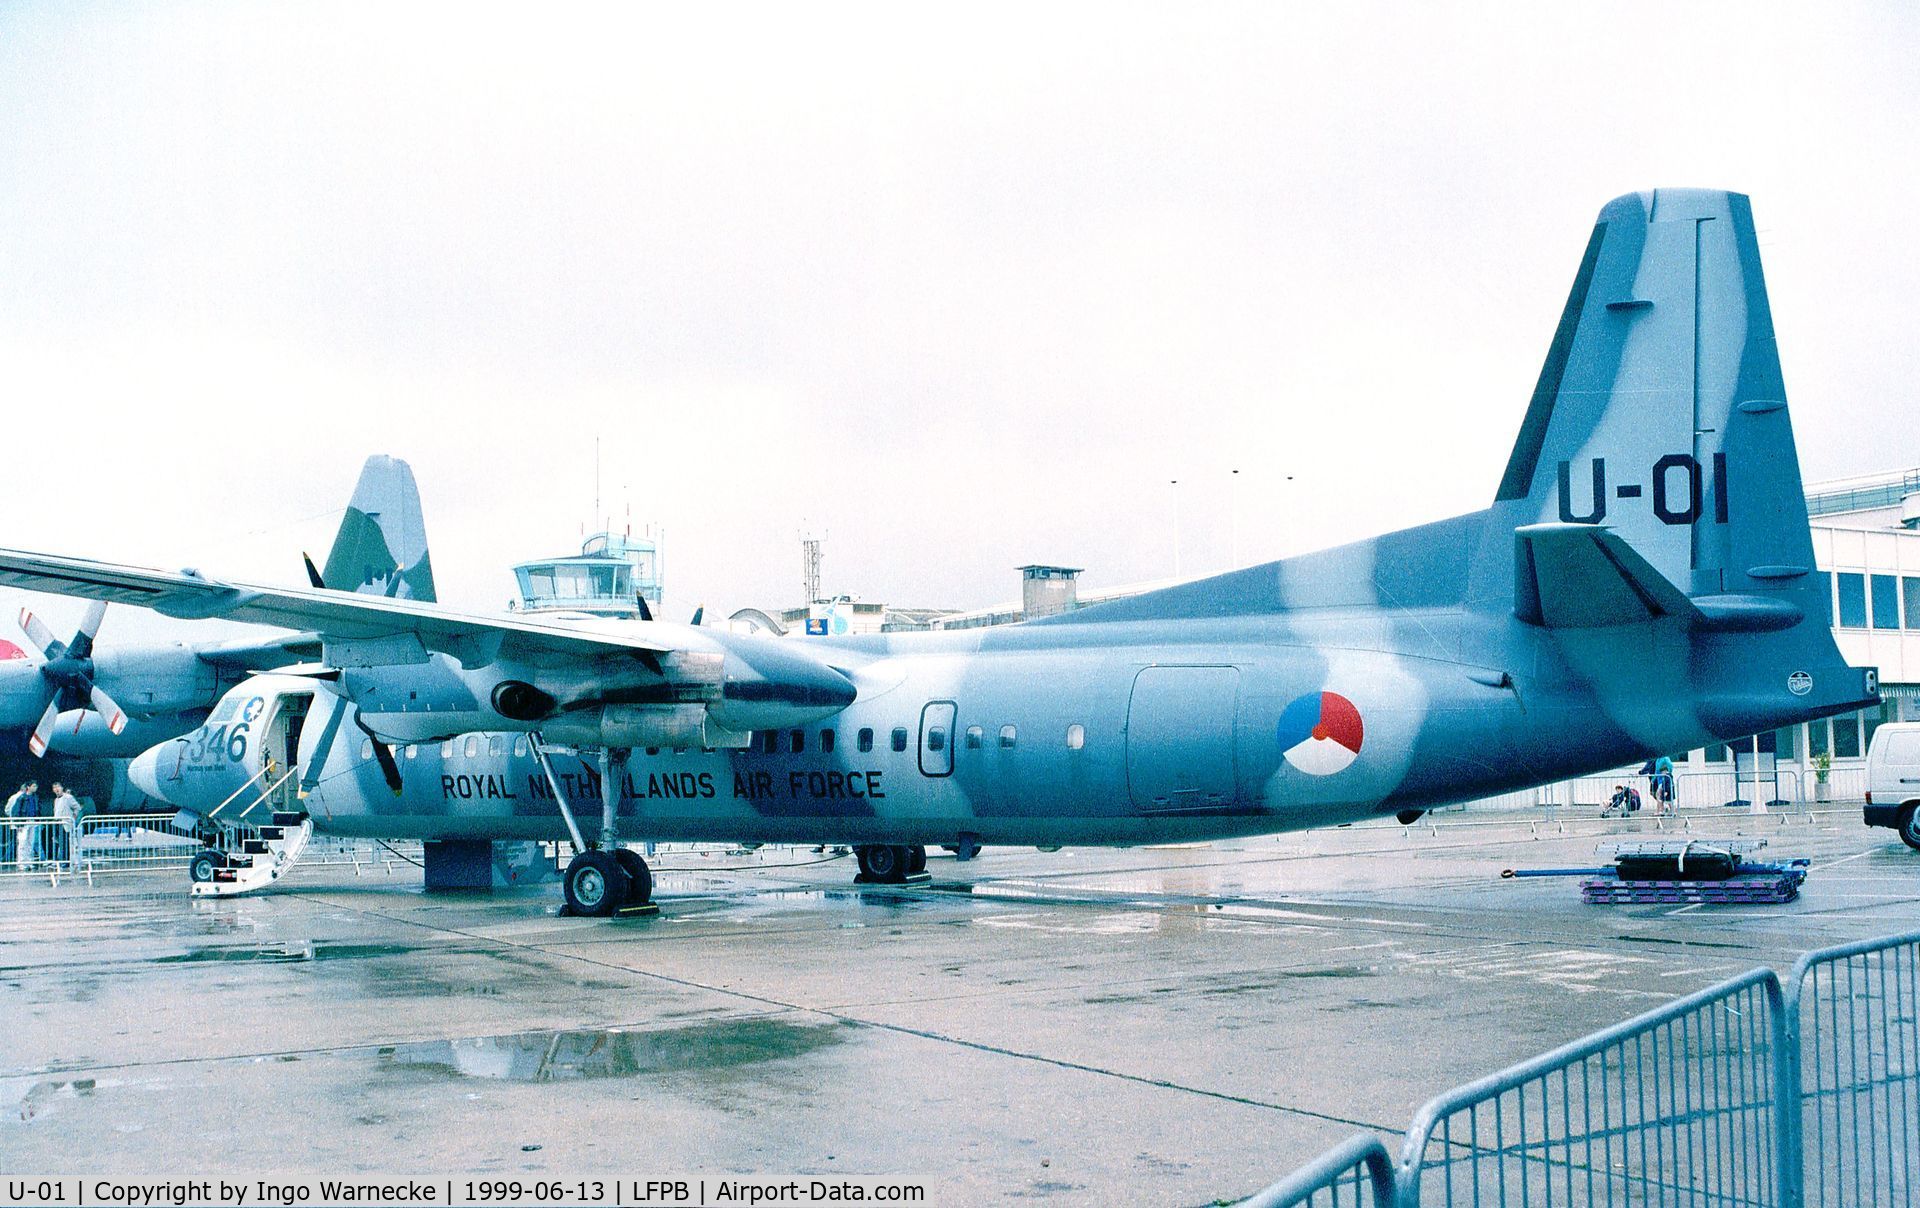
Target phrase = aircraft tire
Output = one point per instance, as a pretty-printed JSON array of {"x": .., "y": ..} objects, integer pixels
[
  {"x": 881, "y": 862},
  {"x": 200, "y": 868},
  {"x": 1910, "y": 827},
  {"x": 639, "y": 876},
  {"x": 594, "y": 884},
  {"x": 916, "y": 859}
]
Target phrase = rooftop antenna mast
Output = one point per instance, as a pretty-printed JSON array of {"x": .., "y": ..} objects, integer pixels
[{"x": 810, "y": 567}]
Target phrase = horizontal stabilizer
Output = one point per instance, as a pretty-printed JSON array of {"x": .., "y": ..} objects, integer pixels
[{"x": 1582, "y": 576}]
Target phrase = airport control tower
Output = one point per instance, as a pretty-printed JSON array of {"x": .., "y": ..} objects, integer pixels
[{"x": 602, "y": 580}]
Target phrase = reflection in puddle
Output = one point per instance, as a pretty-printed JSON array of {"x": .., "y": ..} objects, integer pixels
[
  {"x": 24, "y": 1098},
  {"x": 558, "y": 1056}
]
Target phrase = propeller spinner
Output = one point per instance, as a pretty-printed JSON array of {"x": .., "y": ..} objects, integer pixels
[{"x": 68, "y": 674}]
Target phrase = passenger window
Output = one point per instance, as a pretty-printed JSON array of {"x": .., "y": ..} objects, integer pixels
[
  {"x": 410, "y": 750},
  {"x": 826, "y": 741},
  {"x": 770, "y": 741},
  {"x": 520, "y": 745},
  {"x": 866, "y": 739},
  {"x": 446, "y": 749},
  {"x": 1007, "y": 736},
  {"x": 799, "y": 741},
  {"x": 900, "y": 738},
  {"x": 973, "y": 738},
  {"x": 936, "y": 739},
  {"x": 366, "y": 748},
  {"x": 1076, "y": 736},
  {"x": 473, "y": 746},
  {"x": 496, "y": 744},
  {"x": 652, "y": 751}
]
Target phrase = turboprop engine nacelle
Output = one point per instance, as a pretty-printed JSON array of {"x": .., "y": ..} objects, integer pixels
[
  {"x": 85, "y": 734},
  {"x": 246, "y": 744}
]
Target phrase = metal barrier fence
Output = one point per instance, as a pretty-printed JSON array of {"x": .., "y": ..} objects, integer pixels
[
  {"x": 1358, "y": 1171},
  {"x": 1746, "y": 1093},
  {"x": 1682, "y": 1098},
  {"x": 1854, "y": 1013},
  {"x": 95, "y": 843}
]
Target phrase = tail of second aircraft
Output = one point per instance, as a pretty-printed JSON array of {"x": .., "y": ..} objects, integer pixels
[{"x": 381, "y": 547}]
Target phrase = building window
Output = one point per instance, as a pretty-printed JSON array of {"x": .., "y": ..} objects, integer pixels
[
  {"x": 1076, "y": 736},
  {"x": 1846, "y": 737},
  {"x": 799, "y": 740},
  {"x": 1828, "y": 599},
  {"x": 1910, "y": 589},
  {"x": 866, "y": 739},
  {"x": 900, "y": 738},
  {"x": 974, "y": 734},
  {"x": 1819, "y": 739},
  {"x": 473, "y": 746},
  {"x": 1886, "y": 601},
  {"x": 1783, "y": 744},
  {"x": 1715, "y": 754},
  {"x": 1871, "y": 720},
  {"x": 1008, "y": 735},
  {"x": 1853, "y": 599},
  {"x": 826, "y": 741}
]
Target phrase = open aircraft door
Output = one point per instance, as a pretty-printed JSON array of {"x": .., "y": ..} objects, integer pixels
[
  {"x": 936, "y": 738},
  {"x": 1180, "y": 749}
]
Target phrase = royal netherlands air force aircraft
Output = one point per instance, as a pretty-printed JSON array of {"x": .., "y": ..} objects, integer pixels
[{"x": 1642, "y": 582}]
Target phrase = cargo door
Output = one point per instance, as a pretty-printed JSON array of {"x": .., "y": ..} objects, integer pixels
[{"x": 1180, "y": 750}]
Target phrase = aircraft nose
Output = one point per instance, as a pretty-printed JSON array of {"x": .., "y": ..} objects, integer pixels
[{"x": 144, "y": 772}]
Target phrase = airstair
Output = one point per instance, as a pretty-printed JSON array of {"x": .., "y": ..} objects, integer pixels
[{"x": 256, "y": 856}]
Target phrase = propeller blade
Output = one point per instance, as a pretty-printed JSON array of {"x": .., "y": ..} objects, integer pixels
[
  {"x": 313, "y": 574},
  {"x": 115, "y": 715},
  {"x": 43, "y": 730},
  {"x": 82, "y": 645},
  {"x": 38, "y": 633},
  {"x": 383, "y": 755},
  {"x": 699, "y": 612}
]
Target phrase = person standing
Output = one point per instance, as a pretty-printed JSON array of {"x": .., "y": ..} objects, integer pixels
[
  {"x": 9, "y": 832},
  {"x": 1663, "y": 784},
  {"x": 66, "y": 820},
  {"x": 26, "y": 807}
]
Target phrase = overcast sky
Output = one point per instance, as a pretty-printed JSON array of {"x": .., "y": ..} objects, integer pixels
[{"x": 960, "y": 289}]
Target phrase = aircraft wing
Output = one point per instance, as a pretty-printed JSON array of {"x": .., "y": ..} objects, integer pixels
[{"x": 337, "y": 615}]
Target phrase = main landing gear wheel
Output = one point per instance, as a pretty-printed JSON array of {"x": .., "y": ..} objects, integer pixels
[
  {"x": 883, "y": 863},
  {"x": 1910, "y": 827},
  {"x": 200, "y": 868},
  {"x": 916, "y": 860},
  {"x": 639, "y": 876},
  {"x": 595, "y": 884}
]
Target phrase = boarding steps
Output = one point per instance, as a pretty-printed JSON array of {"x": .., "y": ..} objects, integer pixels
[{"x": 262, "y": 859}]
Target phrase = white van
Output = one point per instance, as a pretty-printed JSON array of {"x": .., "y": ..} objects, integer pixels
[{"x": 1893, "y": 780}]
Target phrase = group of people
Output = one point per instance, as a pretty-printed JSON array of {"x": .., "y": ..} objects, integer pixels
[
  {"x": 1626, "y": 798},
  {"x": 39, "y": 831}
]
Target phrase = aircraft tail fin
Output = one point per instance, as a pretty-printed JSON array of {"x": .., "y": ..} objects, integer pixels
[
  {"x": 381, "y": 548},
  {"x": 1660, "y": 411}
]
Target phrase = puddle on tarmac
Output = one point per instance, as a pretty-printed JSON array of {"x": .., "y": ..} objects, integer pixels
[
  {"x": 560, "y": 1056},
  {"x": 284, "y": 953}
]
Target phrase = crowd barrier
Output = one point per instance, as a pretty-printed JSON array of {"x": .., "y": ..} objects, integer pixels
[{"x": 1751, "y": 1092}]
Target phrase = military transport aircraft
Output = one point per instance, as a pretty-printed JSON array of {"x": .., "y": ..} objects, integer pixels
[
  {"x": 115, "y": 701},
  {"x": 1642, "y": 582}
]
